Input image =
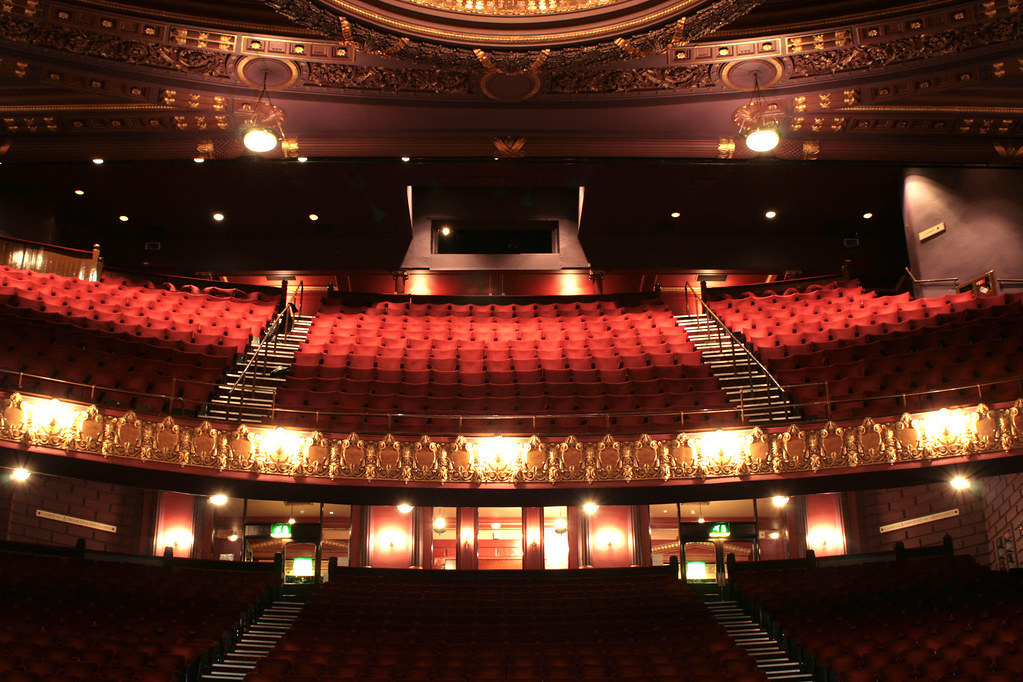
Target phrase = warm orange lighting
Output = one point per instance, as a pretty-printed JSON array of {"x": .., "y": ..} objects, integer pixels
[
  {"x": 439, "y": 524},
  {"x": 233, "y": 537},
  {"x": 591, "y": 507},
  {"x": 676, "y": 214},
  {"x": 960, "y": 483},
  {"x": 609, "y": 538},
  {"x": 824, "y": 538},
  {"x": 123, "y": 218},
  {"x": 868, "y": 215},
  {"x": 98, "y": 162},
  {"x": 445, "y": 231},
  {"x": 80, "y": 192},
  {"x": 560, "y": 525},
  {"x": 495, "y": 526},
  {"x": 21, "y": 474},
  {"x": 179, "y": 538},
  {"x": 392, "y": 539},
  {"x": 774, "y": 535},
  {"x": 219, "y": 499},
  {"x": 218, "y": 217},
  {"x": 779, "y": 500},
  {"x": 771, "y": 214},
  {"x": 405, "y": 508}
]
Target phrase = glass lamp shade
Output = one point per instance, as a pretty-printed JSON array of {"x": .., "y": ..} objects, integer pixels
[
  {"x": 762, "y": 139},
  {"x": 259, "y": 139}
]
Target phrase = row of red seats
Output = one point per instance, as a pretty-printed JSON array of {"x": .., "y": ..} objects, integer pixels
[
  {"x": 108, "y": 369},
  {"x": 69, "y": 618},
  {"x": 810, "y": 295},
  {"x": 402, "y": 389},
  {"x": 170, "y": 315},
  {"x": 936, "y": 619},
  {"x": 365, "y": 631},
  {"x": 870, "y": 368},
  {"x": 560, "y": 372},
  {"x": 517, "y": 310},
  {"x": 508, "y": 405}
]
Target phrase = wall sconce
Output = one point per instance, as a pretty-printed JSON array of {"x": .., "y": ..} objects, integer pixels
[
  {"x": 49, "y": 415},
  {"x": 20, "y": 474},
  {"x": 467, "y": 538},
  {"x": 946, "y": 427}
]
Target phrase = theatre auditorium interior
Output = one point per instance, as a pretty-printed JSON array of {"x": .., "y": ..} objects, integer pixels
[{"x": 554, "y": 340}]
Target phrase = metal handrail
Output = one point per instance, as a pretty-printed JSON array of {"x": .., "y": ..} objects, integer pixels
[
  {"x": 535, "y": 418},
  {"x": 259, "y": 355},
  {"x": 749, "y": 353},
  {"x": 171, "y": 398}
]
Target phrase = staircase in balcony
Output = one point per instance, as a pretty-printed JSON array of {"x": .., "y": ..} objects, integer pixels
[
  {"x": 252, "y": 402},
  {"x": 749, "y": 388}
]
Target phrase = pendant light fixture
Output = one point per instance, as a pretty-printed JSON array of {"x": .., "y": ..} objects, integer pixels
[
  {"x": 263, "y": 130},
  {"x": 756, "y": 122}
]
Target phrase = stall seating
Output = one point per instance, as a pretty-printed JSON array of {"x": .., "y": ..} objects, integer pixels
[{"x": 632, "y": 625}]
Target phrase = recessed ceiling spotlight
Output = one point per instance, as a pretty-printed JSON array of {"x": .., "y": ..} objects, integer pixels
[
  {"x": 80, "y": 192},
  {"x": 771, "y": 214},
  {"x": 199, "y": 159},
  {"x": 97, "y": 161},
  {"x": 303, "y": 159},
  {"x": 676, "y": 214},
  {"x": 406, "y": 159},
  {"x": 314, "y": 217},
  {"x": 868, "y": 215},
  {"x": 445, "y": 231},
  {"x": 123, "y": 218},
  {"x": 218, "y": 216}
]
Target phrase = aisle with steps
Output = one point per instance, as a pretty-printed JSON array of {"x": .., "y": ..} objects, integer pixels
[
  {"x": 770, "y": 658},
  {"x": 258, "y": 403},
  {"x": 738, "y": 373},
  {"x": 256, "y": 642}
]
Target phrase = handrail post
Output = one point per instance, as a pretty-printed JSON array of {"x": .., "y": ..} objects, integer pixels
[{"x": 827, "y": 399}]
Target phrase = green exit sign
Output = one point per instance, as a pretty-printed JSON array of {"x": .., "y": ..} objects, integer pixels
[
  {"x": 280, "y": 530},
  {"x": 720, "y": 530}
]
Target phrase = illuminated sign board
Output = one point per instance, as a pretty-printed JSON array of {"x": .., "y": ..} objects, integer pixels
[
  {"x": 719, "y": 530},
  {"x": 280, "y": 530},
  {"x": 302, "y": 567},
  {"x": 696, "y": 570}
]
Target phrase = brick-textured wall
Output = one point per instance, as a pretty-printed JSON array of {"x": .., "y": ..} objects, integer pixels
[
  {"x": 1003, "y": 504},
  {"x": 881, "y": 507},
  {"x": 104, "y": 502}
]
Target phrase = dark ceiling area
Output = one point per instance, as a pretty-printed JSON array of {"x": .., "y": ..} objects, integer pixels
[{"x": 363, "y": 214}]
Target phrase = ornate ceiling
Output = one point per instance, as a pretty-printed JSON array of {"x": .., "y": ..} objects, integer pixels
[{"x": 903, "y": 81}]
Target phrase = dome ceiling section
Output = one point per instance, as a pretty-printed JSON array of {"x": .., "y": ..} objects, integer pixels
[
  {"x": 599, "y": 32},
  {"x": 513, "y": 24}
]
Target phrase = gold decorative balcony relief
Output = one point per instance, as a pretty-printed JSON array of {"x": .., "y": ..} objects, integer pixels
[{"x": 53, "y": 425}]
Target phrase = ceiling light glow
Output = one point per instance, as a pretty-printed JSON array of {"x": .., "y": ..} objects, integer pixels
[
  {"x": 219, "y": 499},
  {"x": 218, "y": 216},
  {"x": 21, "y": 474},
  {"x": 770, "y": 215}
]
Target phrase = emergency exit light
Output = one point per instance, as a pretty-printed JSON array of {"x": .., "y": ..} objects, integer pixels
[
  {"x": 720, "y": 530},
  {"x": 280, "y": 530}
]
